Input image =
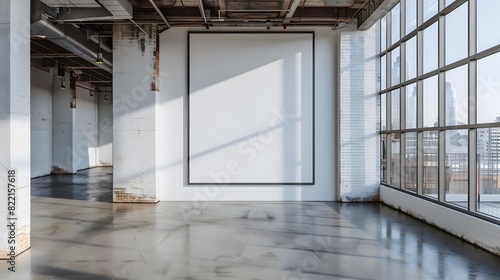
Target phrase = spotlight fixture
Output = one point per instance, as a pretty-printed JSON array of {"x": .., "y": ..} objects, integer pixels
[
  {"x": 91, "y": 93},
  {"x": 105, "y": 97},
  {"x": 207, "y": 27},
  {"x": 99, "y": 60},
  {"x": 63, "y": 83}
]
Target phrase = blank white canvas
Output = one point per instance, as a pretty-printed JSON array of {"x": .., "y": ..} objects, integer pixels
[{"x": 251, "y": 108}]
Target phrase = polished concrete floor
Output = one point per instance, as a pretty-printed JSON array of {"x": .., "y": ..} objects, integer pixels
[{"x": 75, "y": 238}]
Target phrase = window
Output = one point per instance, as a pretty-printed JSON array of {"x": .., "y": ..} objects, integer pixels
[
  {"x": 456, "y": 34},
  {"x": 487, "y": 24},
  {"x": 430, "y": 48},
  {"x": 425, "y": 142},
  {"x": 430, "y": 9},
  {"x": 488, "y": 89},
  {"x": 456, "y": 167},
  {"x": 411, "y": 15},
  {"x": 411, "y": 58},
  {"x": 383, "y": 72},
  {"x": 410, "y": 172},
  {"x": 395, "y": 110},
  {"x": 395, "y": 159},
  {"x": 396, "y": 67},
  {"x": 395, "y": 24},
  {"x": 383, "y": 34},
  {"x": 456, "y": 96},
  {"x": 411, "y": 106},
  {"x": 431, "y": 102}
]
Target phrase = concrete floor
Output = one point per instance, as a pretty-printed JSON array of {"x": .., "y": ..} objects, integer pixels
[{"x": 77, "y": 238}]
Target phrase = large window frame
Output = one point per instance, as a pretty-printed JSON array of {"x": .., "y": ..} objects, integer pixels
[{"x": 436, "y": 134}]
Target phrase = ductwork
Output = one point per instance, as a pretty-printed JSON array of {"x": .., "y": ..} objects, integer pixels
[
  {"x": 120, "y": 9},
  {"x": 67, "y": 37},
  {"x": 91, "y": 10}
]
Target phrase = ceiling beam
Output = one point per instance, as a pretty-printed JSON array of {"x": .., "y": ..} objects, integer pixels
[
  {"x": 222, "y": 7},
  {"x": 285, "y": 6},
  {"x": 374, "y": 11},
  {"x": 53, "y": 55},
  {"x": 290, "y": 13}
]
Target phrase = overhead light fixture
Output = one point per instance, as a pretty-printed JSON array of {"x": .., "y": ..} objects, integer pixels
[
  {"x": 91, "y": 93},
  {"x": 98, "y": 59},
  {"x": 105, "y": 97},
  {"x": 63, "y": 82}
]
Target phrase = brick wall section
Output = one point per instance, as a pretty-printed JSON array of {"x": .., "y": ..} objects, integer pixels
[{"x": 359, "y": 116}]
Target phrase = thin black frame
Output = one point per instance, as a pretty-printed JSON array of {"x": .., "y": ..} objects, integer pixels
[{"x": 313, "y": 41}]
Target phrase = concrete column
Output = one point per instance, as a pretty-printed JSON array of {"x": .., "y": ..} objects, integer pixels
[
  {"x": 135, "y": 101},
  {"x": 359, "y": 116},
  {"x": 14, "y": 128},
  {"x": 63, "y": 122}
]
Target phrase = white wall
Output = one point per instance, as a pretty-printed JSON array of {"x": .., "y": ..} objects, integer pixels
[
  {"x": 172, "y": 115},
  {"x": 41, "y": 122},
  {"x": 85, "y": 137}
]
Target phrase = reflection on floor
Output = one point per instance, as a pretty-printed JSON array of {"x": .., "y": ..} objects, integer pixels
[
  {"x": 95, "y": 184},
  {"x": 77, "y": 239}
]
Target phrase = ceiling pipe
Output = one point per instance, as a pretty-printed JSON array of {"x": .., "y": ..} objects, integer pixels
[
  {"x": 160, "y": 13},
  {"x": 202, "y": 11}
]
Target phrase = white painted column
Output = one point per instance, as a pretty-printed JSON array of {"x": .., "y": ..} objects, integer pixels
[
  {"x": 14, "y": 128},
  {"x": 135, "y": 99},
  {"x": 63, "y": 122},
  {"x": 359, "y": 117}
]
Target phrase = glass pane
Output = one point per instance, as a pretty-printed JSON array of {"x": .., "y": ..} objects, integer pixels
[
  {"x": 488, "y": 89},
  {"x": 395, "y": 159},
  {"x": 430, "y": 8},
  {"x": 487, "y": 24},
  {"x": 411, "y": 15},
  {"x": 383, "y": 159},
  {"x": 396, "y": 67},
  {"x": 395, "y": 24},
  {"x": 383, "y": 112},
  {"x": 411, "y": 161},
  {"x": 448, "y": 2},
  {"x": 456, "y": 34},
  {"x": 430, "y": 104},
  {"x": 430, "y": 163},
  {"x": 383, "y": 72},
  {"x": 395, "y": 105},
  {"x": 411, "y": 58},
  {"x": 457, "y": 96},
  {"x": 488, "y": 164},
  {"x": 456, "y": 167},
  {"x": 411, "y": 106},
  {"x": 383, "y": 34},
  {"x": 430, "y": 50}
]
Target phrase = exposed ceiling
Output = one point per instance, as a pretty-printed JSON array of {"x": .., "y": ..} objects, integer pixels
[{"x": 92, "y": 21}]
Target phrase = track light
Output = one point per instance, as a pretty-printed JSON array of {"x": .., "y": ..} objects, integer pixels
[
  {"x": 105, "y": 97},
  {"x": 207, "y": 27},
  {"x": 63, "y": 83},
  {"x": 99, "y": 60},
  {"x": 91, "y": 93}
]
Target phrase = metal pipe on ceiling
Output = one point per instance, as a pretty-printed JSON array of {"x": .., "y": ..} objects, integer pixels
[
  {"x": 202, "y": 11},
  {"x": 160, "y": 13}
]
